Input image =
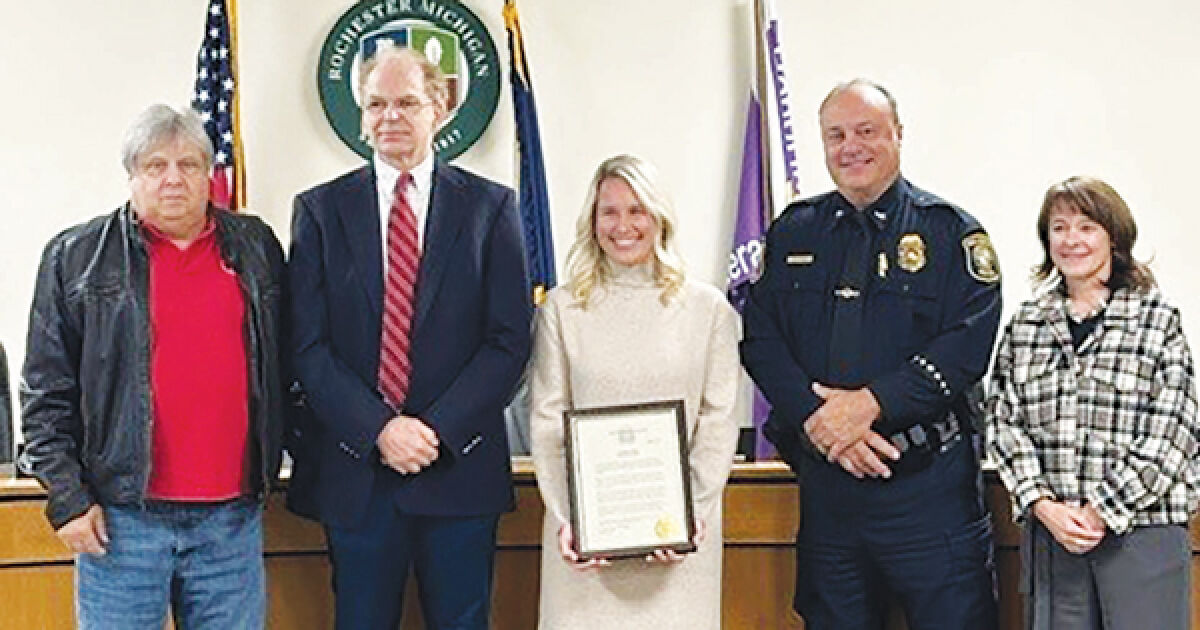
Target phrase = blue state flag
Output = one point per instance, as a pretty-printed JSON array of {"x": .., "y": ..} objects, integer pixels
[
  {"x": 534, "y": 200},
  {"x": 534, "y": 204}
]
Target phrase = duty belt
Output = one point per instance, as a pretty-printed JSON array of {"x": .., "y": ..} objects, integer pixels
[{"x": 920, "y": 443}]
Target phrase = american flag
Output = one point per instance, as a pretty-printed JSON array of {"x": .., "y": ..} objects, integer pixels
[{"x": 215, "y": 99}]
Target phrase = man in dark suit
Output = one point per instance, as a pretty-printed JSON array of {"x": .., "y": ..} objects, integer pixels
[{"x": 412, "y": 327}]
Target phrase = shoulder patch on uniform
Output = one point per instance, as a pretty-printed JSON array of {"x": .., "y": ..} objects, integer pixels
[{"x": 982, "y": 262}]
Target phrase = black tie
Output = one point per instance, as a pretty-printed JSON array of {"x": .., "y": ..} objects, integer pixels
[{"x": 849, "y": 294}]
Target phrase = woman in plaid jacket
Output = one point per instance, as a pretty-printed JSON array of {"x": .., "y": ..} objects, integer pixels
[{"x": 1093, "y": 428}]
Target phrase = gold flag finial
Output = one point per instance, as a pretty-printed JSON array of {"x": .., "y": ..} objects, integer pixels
[{"x": 514, "y": 30}]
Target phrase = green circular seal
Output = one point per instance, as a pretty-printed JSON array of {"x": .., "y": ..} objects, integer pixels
[{"x": 448, "y": 33}]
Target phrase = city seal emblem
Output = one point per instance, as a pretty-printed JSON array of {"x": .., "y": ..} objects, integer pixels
[{"x": 446, "y": 32}]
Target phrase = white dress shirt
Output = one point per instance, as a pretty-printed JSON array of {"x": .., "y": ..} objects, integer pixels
[{"x": 419, "y": 192}]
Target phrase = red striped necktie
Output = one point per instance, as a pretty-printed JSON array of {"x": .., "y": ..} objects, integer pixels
[{"x": 399, "y": 287}]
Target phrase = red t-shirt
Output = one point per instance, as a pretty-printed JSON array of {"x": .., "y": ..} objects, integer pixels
[{"x": 198, "y": 372}]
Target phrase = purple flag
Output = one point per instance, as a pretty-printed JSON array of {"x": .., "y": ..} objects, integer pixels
[
  {"x": 746, "y": 258},
  {"x": 745, "y": 261}
]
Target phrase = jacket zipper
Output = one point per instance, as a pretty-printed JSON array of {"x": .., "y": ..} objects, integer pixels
[
  {"x": 140, "y": 276},
  {"x": 253, "y": 369}
]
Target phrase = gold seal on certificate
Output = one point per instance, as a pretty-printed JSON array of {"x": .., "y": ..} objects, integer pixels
[
  {"x": 665, "y": 528},
  {"x": 629, "y": 481}
]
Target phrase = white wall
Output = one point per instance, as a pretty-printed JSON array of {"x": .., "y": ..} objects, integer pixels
[{"x": 998, "y": 101}]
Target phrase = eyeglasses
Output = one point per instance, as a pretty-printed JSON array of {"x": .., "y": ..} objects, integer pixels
[
  {"x": 157, "y": 167},
  {"x": 409, "y": 105}
]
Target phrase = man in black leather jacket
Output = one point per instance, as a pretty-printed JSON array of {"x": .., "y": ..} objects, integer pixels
[{"x": 152, "y": 392}]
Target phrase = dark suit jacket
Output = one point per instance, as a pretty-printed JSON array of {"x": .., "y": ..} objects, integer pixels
[{"x": 470, "y": 342}]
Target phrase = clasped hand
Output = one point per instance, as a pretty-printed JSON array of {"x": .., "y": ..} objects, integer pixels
[
  {"x": 407, "y": 445},
  {"x": 840, "y": 429},
  {"x": 1078, "y": 528},
  {"x": 566, "y": 546}
]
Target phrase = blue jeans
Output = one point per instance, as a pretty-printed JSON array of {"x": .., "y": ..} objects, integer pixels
[{"x": 205, "y": 560}]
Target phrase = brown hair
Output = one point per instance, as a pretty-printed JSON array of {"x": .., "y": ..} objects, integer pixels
[{"x": 1099, "y": 202}]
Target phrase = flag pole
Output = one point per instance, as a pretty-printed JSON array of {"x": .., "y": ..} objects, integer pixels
[
  {"x": 238, "y": 199},
  {"x": 764, "y": 130}
]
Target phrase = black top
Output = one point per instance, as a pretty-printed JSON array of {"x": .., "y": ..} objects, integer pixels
[{"x": 1081, "y": 330}]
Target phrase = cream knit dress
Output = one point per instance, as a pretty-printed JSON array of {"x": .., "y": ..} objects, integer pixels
[{"x": 627, "y": 347}]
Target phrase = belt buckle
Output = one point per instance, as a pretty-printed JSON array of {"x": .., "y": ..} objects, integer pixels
[{"x": 948, "y": 431}]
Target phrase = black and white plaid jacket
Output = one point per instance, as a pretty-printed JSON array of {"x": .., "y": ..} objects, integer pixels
[{"x": 1112, "y": 423}]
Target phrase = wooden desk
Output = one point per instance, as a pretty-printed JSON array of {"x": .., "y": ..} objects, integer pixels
[{"x": 761, "y": 514}]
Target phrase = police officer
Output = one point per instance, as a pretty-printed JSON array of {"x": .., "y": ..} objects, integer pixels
[{"x": 873, "y": 320}]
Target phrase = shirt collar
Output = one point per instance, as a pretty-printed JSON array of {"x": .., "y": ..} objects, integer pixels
[
  {"x": 155, "y": 235},
  {"x": 1051, "y": 296},
  {"x": 881, "y": 210},
  {"x": 422, "y": 174}
]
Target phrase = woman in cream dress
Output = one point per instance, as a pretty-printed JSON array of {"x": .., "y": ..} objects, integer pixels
[{"x": 629, "y": 328}]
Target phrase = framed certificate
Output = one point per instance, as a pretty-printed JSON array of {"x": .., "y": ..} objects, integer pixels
[{"x": 630, "y": 487}]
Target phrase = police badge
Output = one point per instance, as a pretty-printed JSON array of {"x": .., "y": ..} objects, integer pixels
[
  {"x": 982, "y": 262},
  {"x": 910, "y": 254}
]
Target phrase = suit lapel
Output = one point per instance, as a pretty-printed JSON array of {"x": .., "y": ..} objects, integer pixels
[
  {"x": 448, "y": 206},
  {"x": 359, "y": 214}
]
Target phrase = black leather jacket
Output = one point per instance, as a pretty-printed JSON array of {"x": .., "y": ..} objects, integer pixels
[{"x": 85, "y": 390}]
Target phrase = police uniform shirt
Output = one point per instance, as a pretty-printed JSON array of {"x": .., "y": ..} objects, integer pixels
[{"x": 930, "y": 307}]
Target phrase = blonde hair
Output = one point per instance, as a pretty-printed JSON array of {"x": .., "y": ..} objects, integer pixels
[
  {"x": 436, "y": 87},
  {"x": 587, "y": 265}
]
